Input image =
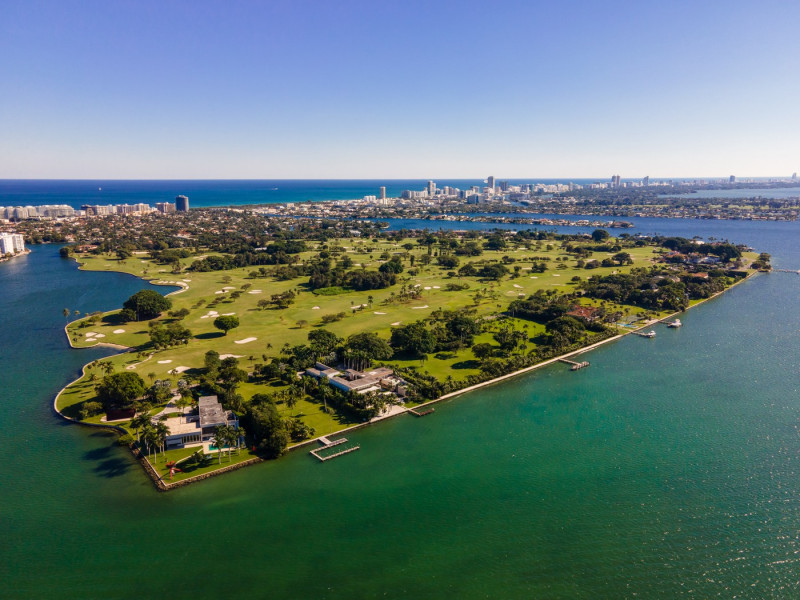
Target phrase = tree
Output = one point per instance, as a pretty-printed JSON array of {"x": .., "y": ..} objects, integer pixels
[
  {"x": 147, "y": 304},
  {"x": 370, "y": 345},
  {"x": 139, "y": 422},
  {"x": 266, "y": 426},
  {"x": 600, "y": 235},
  {"x": 226, "y": 323},
  {"x": 118, "y": 391},
  {"x": 323, "y": 342},
  {"x": 414, "y": 338}
]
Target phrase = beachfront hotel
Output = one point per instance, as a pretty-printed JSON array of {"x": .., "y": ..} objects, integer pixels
[{"x": 11, "y": 243}]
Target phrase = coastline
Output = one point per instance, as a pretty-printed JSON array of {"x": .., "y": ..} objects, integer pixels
[{"x": 162, "y": 485}]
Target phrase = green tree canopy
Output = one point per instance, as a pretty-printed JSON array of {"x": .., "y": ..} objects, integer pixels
[
  {"x": 323, "y": 341},
  {"x": 118, "y": 391},
  {"x": 147, "y": 304},
  {"x": 414, "y": 338},
  {"x": 600, "y": 235},
  {"x": 369, "y": 344},
  {"x": 226, "y": 323}
]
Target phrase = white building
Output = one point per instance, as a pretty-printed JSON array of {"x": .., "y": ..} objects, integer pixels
[{"x": 11, "y": 243}]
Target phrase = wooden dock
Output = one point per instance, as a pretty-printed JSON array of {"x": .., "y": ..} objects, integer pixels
[
  {"x": 649, "y": 334},
  {"x": 327, "y": 443},
  {"x": 574, "y": 366},
  {"x": 785, "y": 271},
  {"x": 417, "y": 413},
  {"x": 330, "y": 456}
]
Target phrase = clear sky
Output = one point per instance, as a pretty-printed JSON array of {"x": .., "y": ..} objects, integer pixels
[{"x": 406, "y": 89}]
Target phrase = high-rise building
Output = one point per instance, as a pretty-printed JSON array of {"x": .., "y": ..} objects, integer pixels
[
  {"x": 503, "y": 186},
  {"x": 382, "y": 194},
  {"x": 182, "y": 204},
  {"x": 646, "y": 180},
  {"x": 615, "y": 181},
  {"x": 732, "y": 179},
  {"x": 794, "y": 176},
  {"x": 165, "y": 207},
  {"x": 11, "y": 243},
  {"x": 431, "y": 188},
  {"x": 490, "y": 182}
]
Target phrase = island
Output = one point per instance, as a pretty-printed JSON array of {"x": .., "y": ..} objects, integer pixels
[{"x": 278, "y": 336}]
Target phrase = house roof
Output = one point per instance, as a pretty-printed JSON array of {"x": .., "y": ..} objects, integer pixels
[
  {"x": 584, "y": 312},
  {"x": 211, "y": 411}
]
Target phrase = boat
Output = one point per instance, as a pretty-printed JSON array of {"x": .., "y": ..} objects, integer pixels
[
  {"x": 675, "y": 323},
  {"x": 649, "y": 334}
]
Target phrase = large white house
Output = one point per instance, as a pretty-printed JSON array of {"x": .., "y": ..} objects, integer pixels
[
  {"x": 195, "y": 429},
  {"x": 11, "y": 243}
]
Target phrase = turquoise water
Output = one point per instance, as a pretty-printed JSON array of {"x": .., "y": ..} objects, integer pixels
[{"x": 669, "y": 469}]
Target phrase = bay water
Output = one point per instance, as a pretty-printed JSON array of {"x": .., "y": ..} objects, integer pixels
[{"x": 668, "y": 469}]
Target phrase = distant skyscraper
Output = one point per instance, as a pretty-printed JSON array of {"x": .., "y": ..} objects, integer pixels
[
  {"x": 503, "y": 186},
  {"x": 182, "y": 204},
  {"x": 490, "y": 182},
  {"x": 794, "y": 176},
  {"x": 615, "y": 180},
  {"x": 732, "y": 179},
  {"x": 431, "y": 188},
  {"x": 382, "y": 194},
  {"x": 646, "y": 180}
]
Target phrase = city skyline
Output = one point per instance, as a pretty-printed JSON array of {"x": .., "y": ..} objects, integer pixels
[{"x": 361, "y": 91}]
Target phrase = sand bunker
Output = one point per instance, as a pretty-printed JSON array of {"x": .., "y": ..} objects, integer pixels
[
  {"x": 427, "y": 287},
  {"x": 229, "y": 287},
  {"x": 315, "y": 308},
  {"x": 396, "y": 323},
  {"x": 119, "y": 331},
  {"x": 556, "y": 275},
  {"x": 245, "y": 340},
  {"x": 165, "y": 362},
  {"x": 437, "y": 287},
  {"x": 180, "y": 369},
  {"x": 517, "y": 286},
  {"x": 416, "y": 307},
  {"x": 219, "y": 292},
  {"x": 228, "y": 314},
  {"x": 532, "y": 277},
  {"x": 254, "y": 292},
  {"x": 224, "y": 356},
  {"x": 379, "y": 313},
  {"x": 99, "y": 335}
]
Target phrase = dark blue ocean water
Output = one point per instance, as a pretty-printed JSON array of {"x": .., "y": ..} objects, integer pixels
[{"x": 214, "y": 192}]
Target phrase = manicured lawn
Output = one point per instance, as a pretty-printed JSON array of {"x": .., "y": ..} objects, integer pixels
[{"x": 263, "y": 332}]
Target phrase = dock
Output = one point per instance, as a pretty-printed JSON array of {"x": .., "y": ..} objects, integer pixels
[
  {"x": 327, "y": 443},
  {"x": 785, "y": 271},
  {"x": 417, "y": 413},
  {"x": 649, "y": 334},
  {"x": 574, "y": 366}
]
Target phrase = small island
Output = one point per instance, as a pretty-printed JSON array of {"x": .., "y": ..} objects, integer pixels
[{"x": 281, "y": 337}]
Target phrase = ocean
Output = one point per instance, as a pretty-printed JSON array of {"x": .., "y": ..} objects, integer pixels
[{"x": 669, "y": 469}]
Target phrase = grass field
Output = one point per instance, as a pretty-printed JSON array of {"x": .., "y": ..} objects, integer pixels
[{"x": 263, "y": 332}]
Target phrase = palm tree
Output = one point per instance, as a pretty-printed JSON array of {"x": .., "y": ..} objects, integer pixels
[
  {"x": 139, "y": 422},
  {"x": 162, "y": 431},
  {"x": 291, "y": 401},
  {"x": 239, "y": 434},
  {"x": 219, "y": 440}
]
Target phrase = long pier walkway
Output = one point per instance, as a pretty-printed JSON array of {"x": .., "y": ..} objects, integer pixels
[{"x": 574, "y": 366}]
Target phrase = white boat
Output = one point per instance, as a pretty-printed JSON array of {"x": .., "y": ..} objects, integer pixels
[
  {"x": 649, "y": 334},
  {"x": 675, "y": 323}
]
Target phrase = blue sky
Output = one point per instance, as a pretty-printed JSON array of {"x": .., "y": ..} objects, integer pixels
[{"x": 346, "y": 89}]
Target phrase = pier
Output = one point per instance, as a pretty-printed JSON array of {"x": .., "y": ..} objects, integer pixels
[
  {"x": 649, "y": 334},
  {"x": 417, "y": 413},
  {"x": 326, "y": 443},
  {"x": 786, "y": 271},
  {"x": 574, "y": 366}
]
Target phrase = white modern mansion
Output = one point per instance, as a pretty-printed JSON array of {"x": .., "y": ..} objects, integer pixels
[
  {"x": 11, "y": 243},
  {"x": 196, "y": 429}
]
